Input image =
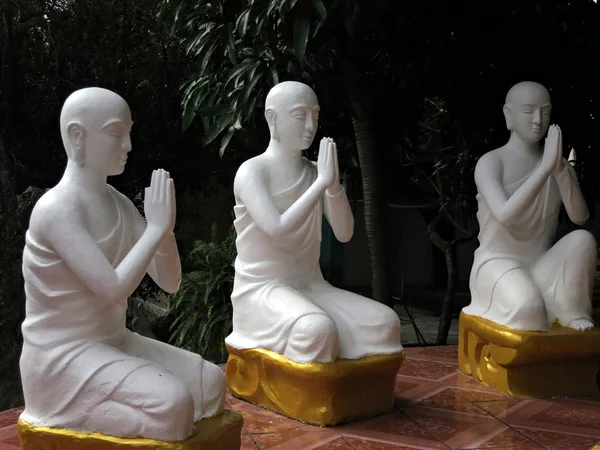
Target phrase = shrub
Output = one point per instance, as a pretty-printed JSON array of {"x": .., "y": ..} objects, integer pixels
[{"x": 202, "y": 306}]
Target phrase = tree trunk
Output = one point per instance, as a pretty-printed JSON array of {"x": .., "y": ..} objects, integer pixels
[
  {"x": 365, "y": 145},
  {"x": 449, "y": 250},
  {"x": 448, "y": 305}
]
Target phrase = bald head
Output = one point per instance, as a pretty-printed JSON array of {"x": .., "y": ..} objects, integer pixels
[
  {"x": 289, "y": 93},
  {"x": 292, "y": 112},
  {"x": 527, "y": 110},
  {"x": 92, "y": 109},
  {"x": 524, "y": 91}
]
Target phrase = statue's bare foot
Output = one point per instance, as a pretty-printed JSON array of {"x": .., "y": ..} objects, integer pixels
[{"x": 581, "y": 324}]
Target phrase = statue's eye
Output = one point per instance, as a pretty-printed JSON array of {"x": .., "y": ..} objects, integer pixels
[
  {"x": 528, "y": 111},
  {"x": 300, "y": 117}
]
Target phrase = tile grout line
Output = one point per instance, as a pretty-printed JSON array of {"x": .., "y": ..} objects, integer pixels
[
  {"x": 421, "y": 427},
  {"x": 518, "y": 432}
]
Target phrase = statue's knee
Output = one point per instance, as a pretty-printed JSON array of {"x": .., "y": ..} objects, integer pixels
[
  {"x": 532, "y": 304},
  {"x": 386, "y": 318},
  {"x": 175, "y": 397},
  {"x": 582, "y": 241},
  {"x": 213, "y": 382},
  {"x": 316, "y": 327}
]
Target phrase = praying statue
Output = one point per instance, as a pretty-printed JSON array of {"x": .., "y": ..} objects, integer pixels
[
  {"x": 281, "y": 302},
  {"x": 521, "y": 277},
  {"x": 87, "y": 249}
]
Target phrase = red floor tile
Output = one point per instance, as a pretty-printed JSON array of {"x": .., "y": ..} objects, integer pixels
[
  {"x": 10, "y": 417},
  {"x": 433, "y": 370},
  {"x": 4, "y": 446},
  {"x": 247, "y": 441},
  {"x": 443, "y": 354},
  {"x": 560, "y": 441},
  {"x": 300, "y": 437},
  {"x": 566, "y": 416},
  {"x": 363, "y": 444},
  {"x": 13, "y": 441},
  {"x": 411, "y": 390},
  {"x": 455, "y": 429},
  {"x": 437, "y": 408},
  {"x": 465, "y": 385},
  {"x": 410, "y": 369},
  {"x": 507, "y": 438},
  {"x": 396, "y": 428},
  {"x": 499, "y": 408}
]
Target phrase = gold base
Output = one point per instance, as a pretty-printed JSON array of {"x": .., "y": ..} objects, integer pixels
[
  {"x": 321, "y": 394},
  {"x": 216, "y": 433},
  {"x": 560, "y": 361}
]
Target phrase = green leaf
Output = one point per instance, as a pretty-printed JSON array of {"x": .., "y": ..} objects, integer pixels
[
  {"x": 286, "y": 6},
  {"x": 225, "y": 141},
  {"x": 238, "y": 70},
  {"x": 242, "y": 22},
  {"x": 273, "y": 5},
  {"x": 217, "y": 127},
  {"x": 251, "y": 104},
  {"x": 231, "y": 44},
  {"x": 214, "y": 110},
  {"x": 248, "y": 91},
  {"x": 320, "y": 10},
  {"x": 189, "y": 114},
  {"x": 208, "y": 54},
  {"x": 301, "y": 33},
  {"x": 274, "y": 75}
]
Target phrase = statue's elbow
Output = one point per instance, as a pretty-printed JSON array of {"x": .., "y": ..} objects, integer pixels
[
  {"x": 173, "y": 286},
  {"x": 580, "y": 222},
  {"x": 346, "y": 234}
]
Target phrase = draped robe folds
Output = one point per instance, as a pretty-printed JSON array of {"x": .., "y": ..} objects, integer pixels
[
  {"x": 83, "y": 370},
  {"x": 278, "y": 281},
  {"x": 562, "y": 273}
]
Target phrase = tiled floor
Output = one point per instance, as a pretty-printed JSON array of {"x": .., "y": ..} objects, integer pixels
[{"x": 437, "y": 408}]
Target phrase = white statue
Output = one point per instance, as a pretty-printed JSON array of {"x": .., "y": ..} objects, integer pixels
[
  {"x": 87, "y": 249},
  {"x": 520, "y": 277},
  {"x": 280, "y": 300}
]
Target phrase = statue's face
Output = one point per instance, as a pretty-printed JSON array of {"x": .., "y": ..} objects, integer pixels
[
  {"x": 296, "y": 120},
  {"x": 107, "y": 146},
  {"x": 530, "y": 113}
]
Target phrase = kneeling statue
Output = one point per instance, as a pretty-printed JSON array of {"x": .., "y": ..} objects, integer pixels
[
  {"x": 87, "y": 249},
  {"x": 281, "y": 302}
]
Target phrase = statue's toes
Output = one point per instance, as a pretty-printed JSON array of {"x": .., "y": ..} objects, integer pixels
[{"x": 582, "y": 324}]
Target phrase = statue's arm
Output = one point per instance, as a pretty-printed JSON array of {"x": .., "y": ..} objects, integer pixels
[
  {"x": 571, "y": 195},
  {"x": 64, "y": 230},
  {"x": 249, "y": 187},
  {"x": 165, "y": 266},
  {"x": 338, "y": 213},
  {"x": 488, "y": 178}
]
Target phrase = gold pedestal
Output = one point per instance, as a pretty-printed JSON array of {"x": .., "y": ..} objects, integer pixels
[
  {"x": 216, "y": 433},
  {"x": 321, "y": 394},
  {"x": 560, "y": 361}
]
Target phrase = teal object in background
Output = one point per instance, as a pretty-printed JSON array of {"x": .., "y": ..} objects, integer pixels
[{"x": 332, "y": 255}]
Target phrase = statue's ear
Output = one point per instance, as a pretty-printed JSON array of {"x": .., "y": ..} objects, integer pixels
[
  {"x": 76, "y": 139},
  {"x": 270, "y": 115},
  {"x": 507, "y": 109}
]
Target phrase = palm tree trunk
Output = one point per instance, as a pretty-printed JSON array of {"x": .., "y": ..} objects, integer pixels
[
  {"x": 448, "y": 305},
  {"x": 365, "y": 145}
]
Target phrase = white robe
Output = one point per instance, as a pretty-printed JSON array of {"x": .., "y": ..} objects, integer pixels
[
  {"x": 83, "y": 370},
  {"x": 279, "y": 281},
  {"x": 563, "y": 273}
]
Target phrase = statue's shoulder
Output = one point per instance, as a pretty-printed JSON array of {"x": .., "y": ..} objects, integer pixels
[
  {"x": 53, "y": 209},
  {"x": 489, "y": 166},
  {"x": 249, "y": 169},
  {"x": 490, "y": 159}
]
